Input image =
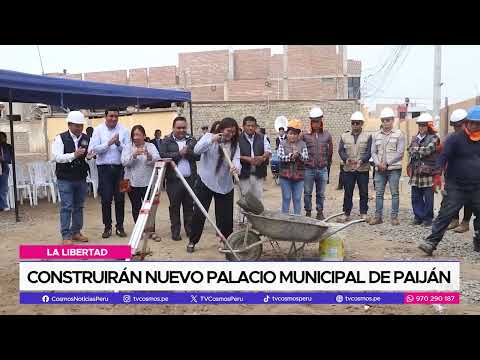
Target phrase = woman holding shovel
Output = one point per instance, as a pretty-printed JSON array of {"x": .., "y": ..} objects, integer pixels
[
  {"x": 215, "y": 179},
  {"x": 292, "y": 153}
]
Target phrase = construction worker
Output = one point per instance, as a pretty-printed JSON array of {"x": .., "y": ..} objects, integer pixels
[
  {"x": 461, "y": 151},
  {"x": 388, "y": 146},
  {"x": 355, "y": 151},
  {"x": 320, "y": 150},
  {"x": 423, "y": 151},
  {"x": 457, "y": 121}
]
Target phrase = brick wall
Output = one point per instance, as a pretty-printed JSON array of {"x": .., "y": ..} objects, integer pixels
[
  {"x": 253, "y": 89},
  {"x": 251, "y": 64},
  {"x": 137, "y": 77},
  {"x": 312, "y": 88},
  {"x": 202, "y": 68},
  {"x": 163, "y": 76},
  {"x": 354, "y": 67},
  {"x": 111, "y": 77},
  {"x": 276, "y": 66},
  {"x": 206, "y": 93},
  {"x": 337, "y": 114},
  {"x": 312, "y": 60}
]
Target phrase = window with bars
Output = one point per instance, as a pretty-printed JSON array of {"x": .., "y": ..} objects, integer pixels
[{"x": 354, "y": 87}]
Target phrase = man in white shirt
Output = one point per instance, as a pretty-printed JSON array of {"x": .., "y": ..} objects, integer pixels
[
  {"x": 107, "y": 143},
  {"x": 69, "y": 150}
]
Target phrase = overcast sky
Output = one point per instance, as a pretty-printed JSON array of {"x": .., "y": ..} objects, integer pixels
[{"x": 411, "y": 77}]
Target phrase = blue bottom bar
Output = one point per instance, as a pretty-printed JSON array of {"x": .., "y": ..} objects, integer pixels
[{"x": 209, "y": 298}]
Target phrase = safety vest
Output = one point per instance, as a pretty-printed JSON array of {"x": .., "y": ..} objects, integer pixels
[
  {"x": 355, "y": 151},
  {"x": 386, "y": 147}
]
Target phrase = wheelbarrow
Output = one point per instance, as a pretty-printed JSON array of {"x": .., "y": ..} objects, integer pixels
[{"x": 274, "y": 226}]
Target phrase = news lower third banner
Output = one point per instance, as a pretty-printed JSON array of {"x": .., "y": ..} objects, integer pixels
[
  {"x": 219, "y": 276},
  {"x": 56, "y": 298}
]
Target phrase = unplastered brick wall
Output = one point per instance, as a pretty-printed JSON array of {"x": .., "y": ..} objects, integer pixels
[
  {"x": 325, "y": 88},
  {"x": 251, "y": 64},
  {"x": 312, "y": 60},
  {"x": 276, "y": 66},
  {"x": 111, "y": 77},
  {"x": 207, "y": 93},
  {"x": 137, "y": 77},
  {"x": 337, "y": 114},
  {"x": 258, "y": 89},
  {"x": 203, "y": 68},
  {"x": 162, "y": 77}
]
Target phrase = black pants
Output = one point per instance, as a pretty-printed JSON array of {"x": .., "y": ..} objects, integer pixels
[
  {"x": 136, "y": 198},
  {"x": 109, "y": 177},
  {"x": 340, "y": 178},
  {"x": 223, "y": 211},
  {"x": 349, "y": 180},
  {"x": 456, "y": 197},
  {"x": 179, "y": 197}
]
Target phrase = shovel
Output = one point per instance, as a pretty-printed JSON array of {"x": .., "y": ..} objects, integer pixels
[{"x": 248, "y": 201}]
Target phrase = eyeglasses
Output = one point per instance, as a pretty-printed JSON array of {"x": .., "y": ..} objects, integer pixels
[
  {"x": 386, "y": 120},
  {"x": 356, "y": 123}
]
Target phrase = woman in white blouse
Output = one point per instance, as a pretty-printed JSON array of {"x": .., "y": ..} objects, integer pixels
[{"x": 139, "y": 158}]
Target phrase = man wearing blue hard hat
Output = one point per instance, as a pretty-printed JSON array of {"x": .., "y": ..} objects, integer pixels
[{"x": 461, "y": 152}]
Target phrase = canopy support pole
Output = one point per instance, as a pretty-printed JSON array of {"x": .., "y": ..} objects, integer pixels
[
  {"x": 12, "y": 140},
  {"x": 191, "y": 121}
]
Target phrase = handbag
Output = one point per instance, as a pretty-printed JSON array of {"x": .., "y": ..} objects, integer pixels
[{"x": 125, "y": 186}]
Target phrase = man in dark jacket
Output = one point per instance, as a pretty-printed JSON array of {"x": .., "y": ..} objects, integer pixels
[
  {"x": 157, "y": 140},
  {"x": 179, "y": 147},
  {"x": 6, "y": 152},
  {"x": 461, "y": 152}
]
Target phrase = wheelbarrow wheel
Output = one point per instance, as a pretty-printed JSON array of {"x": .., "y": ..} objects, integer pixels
[{"x": 236, "y": 241}]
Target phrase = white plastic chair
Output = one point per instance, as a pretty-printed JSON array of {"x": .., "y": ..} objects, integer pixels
[
  {"x": 92, "y": 177},
  {"x": 40, "y": 176},
  {"x": 22, "y": 184},
  {"x": 53, "y": 168}
]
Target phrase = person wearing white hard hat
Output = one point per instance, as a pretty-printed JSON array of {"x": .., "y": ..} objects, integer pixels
[
  {"x": 388, "y": 146},
  {"x": 355, "y": 151},
  {"x": 457, "y": 121},
  {"x": 320, "y": 150},
  {"x": 422, "y": 169},
  {"x": 108, "y": 141},
  {"x": 461, "y": 154},
  {"x": 69, "y": 151}
]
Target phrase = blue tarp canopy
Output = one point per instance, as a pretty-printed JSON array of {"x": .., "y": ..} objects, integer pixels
[{"x": 78, "y": 94}]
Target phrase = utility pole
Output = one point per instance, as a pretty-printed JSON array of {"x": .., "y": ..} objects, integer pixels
[{"x": 437, "y": 80}]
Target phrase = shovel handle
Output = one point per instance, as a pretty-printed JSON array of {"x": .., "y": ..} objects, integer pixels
[{"x": 230, "y": 164}]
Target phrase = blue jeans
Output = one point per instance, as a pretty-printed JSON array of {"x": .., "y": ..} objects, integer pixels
[
  {"x": 320, "y": 178},
  {"x": 4, "y": 188},
  {"x": 422, "y": 203},
  {"x": 291, "y": 190},
  {"x": 393, "y": 179},
  {"x": 72, "y": 194}
]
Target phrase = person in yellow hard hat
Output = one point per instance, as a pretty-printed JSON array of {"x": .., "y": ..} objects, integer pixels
[{"x": 292, "y": 154}]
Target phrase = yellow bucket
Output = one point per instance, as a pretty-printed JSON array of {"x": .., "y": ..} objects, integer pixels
[{"x": 332, "y": 249}]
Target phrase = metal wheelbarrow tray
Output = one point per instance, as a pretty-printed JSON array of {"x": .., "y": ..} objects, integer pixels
[{"x": 276, "y": 226}]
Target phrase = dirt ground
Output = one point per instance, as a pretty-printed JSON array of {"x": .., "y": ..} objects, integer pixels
[{"x": 40, "y": 225}]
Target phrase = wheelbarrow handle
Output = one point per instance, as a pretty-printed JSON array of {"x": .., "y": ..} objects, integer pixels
[
  {"x": 343, "y": 227},
  {"x": 333, "y": 216}
]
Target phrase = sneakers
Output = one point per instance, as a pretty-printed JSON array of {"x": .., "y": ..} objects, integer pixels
[
  {"x": 395, "y": 222},
  {"x": 79, "y": 237},
  {"x": 191, "y": 247},
  {"x": 120, "y": 232},
  {"x": 345, "y": 219},
  {"x": 463, "y": 227},
  {"x": 308, "y": 213},
  {"x": 453, "y": 224},
  {"x": 427, "y": 248},
  {"x": 107, "y": 233},
  {"x": 320, "y": 215},
  {"x": 375, "y": 221}
]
